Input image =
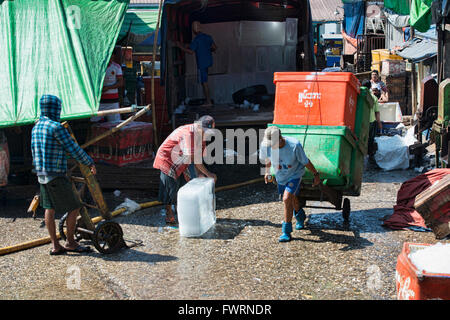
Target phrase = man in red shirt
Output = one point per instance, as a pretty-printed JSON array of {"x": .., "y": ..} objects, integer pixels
[{"x": 181, "y": 153}]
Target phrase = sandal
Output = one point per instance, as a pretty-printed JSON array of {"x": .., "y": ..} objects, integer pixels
[
  {"x": 171, "y": 220},
  {"x": 59, "y": 252},
  {"x": 80, "y": 249}
]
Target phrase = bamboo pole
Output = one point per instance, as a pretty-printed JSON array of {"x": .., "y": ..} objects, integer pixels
[
  {"x": 117, "y": 128},
  {"x": 46, "y": 240},
  {"x": 155, "y": 43},
  {"x": 114, "y": 111}
]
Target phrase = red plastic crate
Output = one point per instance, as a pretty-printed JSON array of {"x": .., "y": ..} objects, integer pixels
[
  {"x": 131, "y": 144},
  {"x": 414, "y": 284},
  {"x": 160, "y": 94}
]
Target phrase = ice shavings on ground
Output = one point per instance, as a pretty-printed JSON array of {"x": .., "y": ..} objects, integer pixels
[
  {"x": 433, "y": 259},
  {"x": 130, "y": 206}
]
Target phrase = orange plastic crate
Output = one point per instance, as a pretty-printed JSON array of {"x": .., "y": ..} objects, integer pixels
[{"x": 316, "y": 98}]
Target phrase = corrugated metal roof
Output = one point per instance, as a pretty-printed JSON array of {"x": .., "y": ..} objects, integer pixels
[
  {"x": 323, "y": 10},
  {"x": 418, "y": 50}
]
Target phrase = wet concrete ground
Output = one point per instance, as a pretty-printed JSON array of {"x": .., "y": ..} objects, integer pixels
[{"x": 239, "y": 258}]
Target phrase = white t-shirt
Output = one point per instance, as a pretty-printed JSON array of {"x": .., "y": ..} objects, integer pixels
[
  {"x": 288, "y": 162},
  {"x": 112, "y": 72}
]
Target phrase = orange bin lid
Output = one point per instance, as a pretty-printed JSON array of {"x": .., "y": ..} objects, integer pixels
[{"x": 318, "y": 77}]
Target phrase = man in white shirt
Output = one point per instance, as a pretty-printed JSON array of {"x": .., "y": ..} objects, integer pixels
[{"x": 110, "y": 92}]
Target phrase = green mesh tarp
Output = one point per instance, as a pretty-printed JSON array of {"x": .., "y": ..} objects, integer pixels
[{"x": 59, "y": 47}]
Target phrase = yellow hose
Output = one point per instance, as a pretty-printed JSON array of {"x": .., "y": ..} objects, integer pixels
[{"x": 46, "y": 240}]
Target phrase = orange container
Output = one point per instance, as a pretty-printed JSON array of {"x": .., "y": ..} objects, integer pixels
[
  {"x": 414, "y": 284},
  {"x": 316, "y": 98}
]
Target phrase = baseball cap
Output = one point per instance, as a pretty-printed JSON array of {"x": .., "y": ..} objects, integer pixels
[
  {"x": 206, "y": 122},
  {"x": 271, "y": 136}
]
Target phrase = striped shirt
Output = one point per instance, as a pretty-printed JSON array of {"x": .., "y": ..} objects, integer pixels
[{"x": 113, "y": 71}]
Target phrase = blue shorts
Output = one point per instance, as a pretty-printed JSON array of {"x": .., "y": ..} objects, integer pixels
[
  {"x": 202, "y": 75},
  {"x": 293, "y": 187}
]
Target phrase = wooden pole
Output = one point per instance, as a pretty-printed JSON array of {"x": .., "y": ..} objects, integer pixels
[{"x": 155, "y": 43}]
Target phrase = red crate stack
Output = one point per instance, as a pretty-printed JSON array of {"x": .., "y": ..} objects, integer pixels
[{"x": 132, "y": 144}]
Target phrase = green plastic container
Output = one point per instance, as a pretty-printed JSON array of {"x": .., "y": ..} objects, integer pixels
[
  {"x": 364, "y": 107},
  {"x": 356, "y": 173},
  {"x": 330, "y": 149}
]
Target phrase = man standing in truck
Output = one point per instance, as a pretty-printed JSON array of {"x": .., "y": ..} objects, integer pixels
[{"x": 203, "y": 45}]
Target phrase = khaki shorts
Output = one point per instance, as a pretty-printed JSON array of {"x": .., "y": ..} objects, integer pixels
[{"x": 59, "y": 195}]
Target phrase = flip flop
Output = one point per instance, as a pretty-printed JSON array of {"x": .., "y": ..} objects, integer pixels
[
  {"x": 171, "y": 222},
  {"x": 59, "y": 252},
  {"x": 80, "y": 249}
]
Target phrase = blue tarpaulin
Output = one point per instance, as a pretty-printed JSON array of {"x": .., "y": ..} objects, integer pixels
[
  {"x": 150, "y": 40},
  {"x": 354, "y": 18}
]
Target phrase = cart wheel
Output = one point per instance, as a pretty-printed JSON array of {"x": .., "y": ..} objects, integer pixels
[
  {"x": 107, "y": 237},
  {"x": 346, "y": 210},
  {"x": 62, "y": 225}
]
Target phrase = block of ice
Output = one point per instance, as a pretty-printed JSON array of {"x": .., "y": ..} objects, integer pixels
[
  {"x": 432, "y": 259},
  {"x": 196, "y": 207}
]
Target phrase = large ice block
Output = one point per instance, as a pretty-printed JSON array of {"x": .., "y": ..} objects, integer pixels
[{"x": 196, "y": 207}]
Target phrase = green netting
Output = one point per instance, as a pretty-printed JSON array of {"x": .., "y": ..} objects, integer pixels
[{"x": 59, "y": 47}]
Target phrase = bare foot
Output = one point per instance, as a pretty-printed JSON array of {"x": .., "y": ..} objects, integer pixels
[{"x": 71, "y": 245}]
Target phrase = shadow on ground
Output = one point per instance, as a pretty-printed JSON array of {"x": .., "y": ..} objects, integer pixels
[{"x": 130, "y": 254}]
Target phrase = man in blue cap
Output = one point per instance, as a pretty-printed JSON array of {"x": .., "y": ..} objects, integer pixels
[
  {"x": 50, "y": 142},
  {"x": 203, "y": 45}
]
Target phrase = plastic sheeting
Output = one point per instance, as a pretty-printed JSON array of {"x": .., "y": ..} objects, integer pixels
[
  {"x": 423, "y": 47},
  {"x": 420, "y": 14},
  {"x": 418, "y": 50},
  {"x": 59, "y": 47},
  {"x": 354, "y": 18},
  {"x": 405, "y": 216},
  {"x": 393, "y": 152},
  {"x": 142, "y": 22},
  {"x": 398, "y": 6}
]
